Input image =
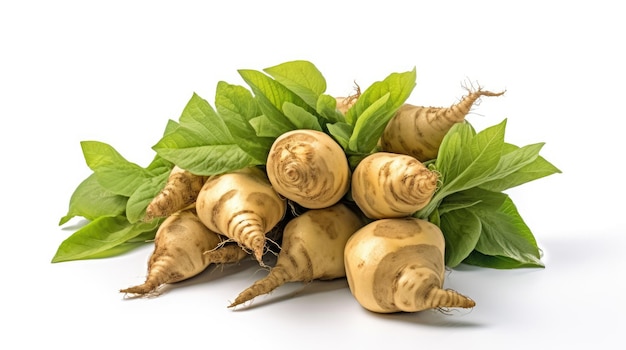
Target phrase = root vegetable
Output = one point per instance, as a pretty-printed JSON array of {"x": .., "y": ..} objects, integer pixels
[
  {"x": 243, "y": 206},
  {"x": 309, "y": 168},
  {"x": 179, "y": 247},
  {"x": 181, "y": 190},
  {"x": 226, "y": 254},
  {"x": 389, "y": 185},
  {"x": 418, "y": 131},
  {"x": 345, "y": 103},
  {"x": 397, "y": 265},
  {"x": 312, "y": 248}
]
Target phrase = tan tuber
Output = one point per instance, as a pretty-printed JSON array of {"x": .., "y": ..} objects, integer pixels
[
  {"x": 181, "y": 190},
  {"x": 243, "y": 206},
  {"x": 418, "y": 131},
  {"x": 179, "y": 252},
  {"x": 312, "y": 249},
  {"x": 309, "y": 168},
  {"x": 397, "y": 265},
  {"x": 388, "y": 185}
]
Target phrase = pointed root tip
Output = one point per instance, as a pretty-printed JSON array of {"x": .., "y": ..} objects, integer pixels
[
  {"x": 138, "y": 290},
  {"x": 257, "y": 247},
  {"x": 480, "y": 92},
  {"x": 461, "y": 301},
  {"x": 142, "y": 289},
  {"x": 466, "y": 303},
  {"x": 240, "y": 300}
]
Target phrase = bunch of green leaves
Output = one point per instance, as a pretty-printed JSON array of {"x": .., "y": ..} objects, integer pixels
[
  {"x": 479, "y": 220},
  {"x": 241, "y": 128},
  {"x": 112, "y": 199}
]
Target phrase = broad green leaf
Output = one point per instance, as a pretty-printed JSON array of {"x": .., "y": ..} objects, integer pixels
[
  {"x": 301, "y": 77},
  {"x": 399, "y": 87},
  {"x": 446, "y": 206},
  {"x": 265, "y": 128},
  {"x": 537, "y": 169},
  {"x": 300, "y": 117},
  {"x": 201, "y": 120},
  {"x": 486, "y": 151},
  {"x": 100, "y": 235},
  {"x": 461, "y": 229},
  {"x": 435, "y": 217},
  {"x": 112, "y": 170},
  {"x": 472, "y": 197},
  {"x": 373, "y": 110},
  {"x": 454, "y": 149},
  {"x": 369, "y": 126},
  {"x": 237, "y": 107},
  {"x": 327, "y": 109},
  {"x": 159, "y": 165},
  {"x": 271, "y": 96},
  {"x": 205, "y": 159},
  {"x": 466, "y": 159},
  {"x": 134, "y": 243},
  {"x": 505, "y": 234},
  {"x": 341, "y": 132},
  {"x": 513, "y": 158},
  {"x": 498, "y": 262},
  {"x": 202, "y": 143},
  {"x": 90, "y": 200}
]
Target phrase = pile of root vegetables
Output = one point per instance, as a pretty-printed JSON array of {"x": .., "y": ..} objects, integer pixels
[{"x": 367, "y": 187}]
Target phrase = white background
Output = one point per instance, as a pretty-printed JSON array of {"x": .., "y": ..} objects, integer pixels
[{"x": 116, "y": 71}]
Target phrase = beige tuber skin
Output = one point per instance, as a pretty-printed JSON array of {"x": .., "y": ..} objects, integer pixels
[
  {"x": 243, "y": 206},
  {"x": 179, "y": 252},
  {"x": 397, "y": 265},
  {"x": 181, "y": 190},
  {"x": 418, "y": 131},
  {"x": 309, "y": 168},
  {"x": 389, "y": 185},
  {"x": 312, "y": 249}
]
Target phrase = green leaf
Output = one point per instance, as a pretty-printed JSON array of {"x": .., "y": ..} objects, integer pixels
[
  {"x": 237, "y": 107},
  {"x": 202, "y": 144},
  {"x": 461, "y": 229},
  {"x": 300, "y": 117},
  {"x": 465, "y": 170},
  {"x": 534, "y": 170},
  {"x": 399, "y": 87},
  {"x": 472, "y": 197},
  {"x": 113, "y": 171},
  {"x": 271, "y": 97},
  {"x": 131, "y": 244},
  {"x": 497, "y": 262},
  {"x": 368, "y": 127},
  {"x": 301, "y": 77},
  {"x": 466, "y": 159},
  {"x": 505, "y": 234},
  {"x": 100, "y": 235},
  {"x": 327, "y": 109},
  {"x": 264, "y": 127},
  {"x": 90, "y": 200},
  {"x": 341, "y": 132},
  {"x": 204, "y": 159},
  {"x": 375, "y": 107}
]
